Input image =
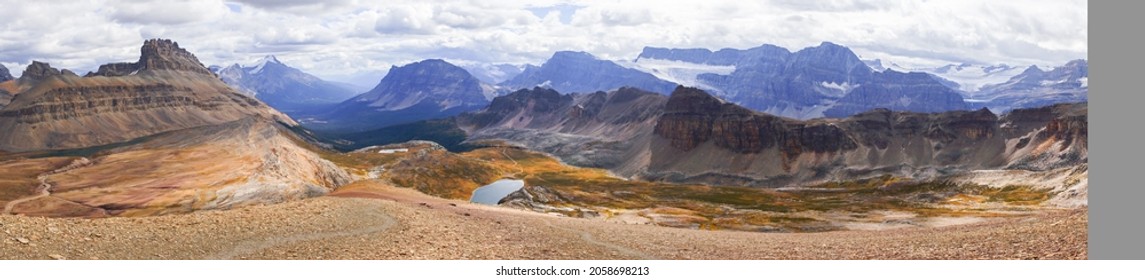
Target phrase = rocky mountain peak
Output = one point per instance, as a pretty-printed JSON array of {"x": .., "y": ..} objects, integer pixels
[
  {"x": 423, "y": 90},
  {"x": 541, "y": 97},
  {"x": 166, "y": 54},
  {"x": 270, "y": 58},
  {"x": 156, "y": 54},
  {"x": 829, "y": 56},
  {"x": 430, "y": 71},
  {"x": 687, "y": 99},
  {"x": 268, "y": 62},
  {"x": 1032, "y": 70},
  {"x": 4, "y": 74},
  {"x": 430, "y": 79},
  {"x": 38, "y": 71}
]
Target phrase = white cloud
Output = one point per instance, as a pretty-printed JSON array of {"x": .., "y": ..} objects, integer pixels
[
  {"x": 165, "y": 12},
  {"x": 299, "y": 6},
  {"x": 344, "y": 37},
  {"x": 406, "y": 20}
]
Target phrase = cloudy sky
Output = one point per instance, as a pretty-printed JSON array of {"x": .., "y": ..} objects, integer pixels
[{"x": 341, "y": 39}]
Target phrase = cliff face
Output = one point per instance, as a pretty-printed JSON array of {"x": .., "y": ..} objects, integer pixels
[
  {"x": 166, "y": 90},
  {"x": 1048, "y": 137},
  {"x": 692, "y": 117}
]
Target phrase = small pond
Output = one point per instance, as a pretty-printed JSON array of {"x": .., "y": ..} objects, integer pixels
[{"x": 492, "y": 193}]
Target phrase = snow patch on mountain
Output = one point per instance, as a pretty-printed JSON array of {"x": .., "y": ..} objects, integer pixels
[
  {"x": 262, "y": 63},
  {"x": 840, "y": 89}
]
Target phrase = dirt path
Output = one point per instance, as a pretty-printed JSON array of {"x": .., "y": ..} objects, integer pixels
[
  {"x": 44, "y": 191},
  {"x": 520, "y": 170},
  {"x": 251, "y": 247},
  {"x": 587, "y": 237}
]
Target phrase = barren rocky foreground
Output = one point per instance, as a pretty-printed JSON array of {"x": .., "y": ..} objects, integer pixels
[{"x": 392, "y": 223}]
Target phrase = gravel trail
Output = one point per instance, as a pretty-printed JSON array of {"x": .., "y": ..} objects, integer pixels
[{"x": 403, "y": 224}]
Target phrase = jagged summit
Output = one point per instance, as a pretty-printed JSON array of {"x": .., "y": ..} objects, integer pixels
[
  {"x": 262, "y": 63},
  {"x": 37, "y": 71},
  {"x": 1032, "y": 70},
  {"x": 156, "y": 54},
  {"x": 270, "y": 58},
  {"x": 166, "y": 54}
]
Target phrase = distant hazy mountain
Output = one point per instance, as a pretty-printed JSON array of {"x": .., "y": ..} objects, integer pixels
[
  {"x": 965, "y": 77},
  {"x": 826, "y": 80},
  {"x": 568, "y": 71},
  {"x": 418, "y": 91},
  {"x": 1035, "y": 88},
  {"x": 1003, "y": 87},
  {"x": 285, "y": 88},
  {"x": 494, "y": 73}
]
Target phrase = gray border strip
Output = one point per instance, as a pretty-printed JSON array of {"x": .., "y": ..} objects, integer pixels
[{"x": 1115, "y": 121}]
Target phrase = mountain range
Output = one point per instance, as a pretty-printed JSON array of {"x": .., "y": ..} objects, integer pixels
[
  {"x": 826, "y": 80},
  {"x": 693, "y": 136},
  {"x": 1003, "y": 87},
  {"x": 568, "y": 71},
  {"x": 283, "y": 87},
  {"x": 965, "y": 77},
  {"x": 1035, "y": 87}
]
